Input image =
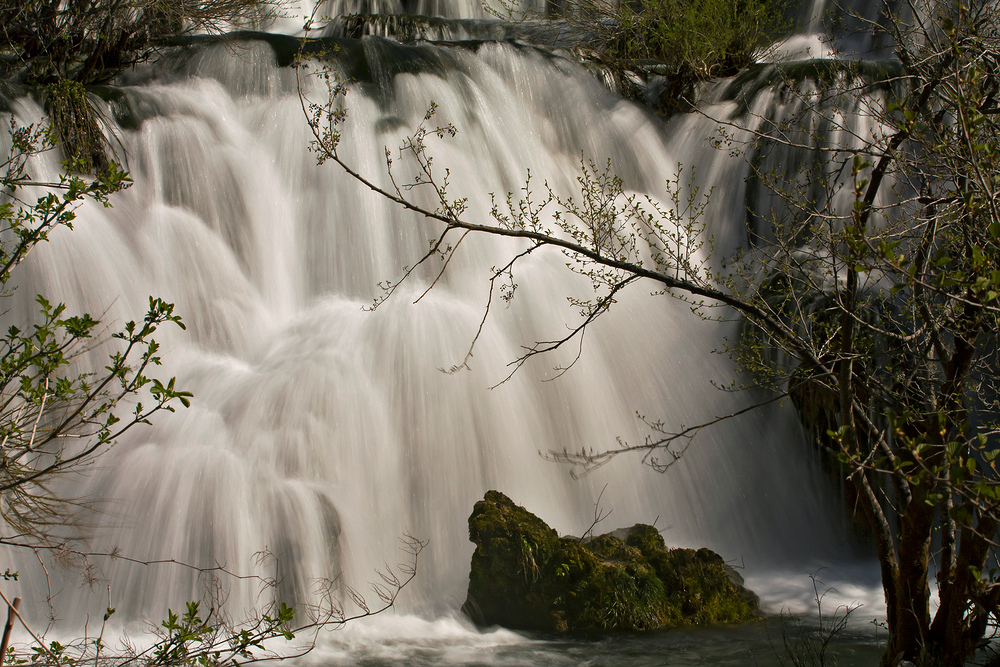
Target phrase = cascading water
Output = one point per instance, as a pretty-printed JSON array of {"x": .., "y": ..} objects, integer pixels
[
  {"x": 320, "y": 432},
  {"x": 295, "y": 13}
]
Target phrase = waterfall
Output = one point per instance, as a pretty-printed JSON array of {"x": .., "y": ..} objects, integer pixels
[
  {"x": 321, "y": 432},
  {"x": 294, "y": 14}
]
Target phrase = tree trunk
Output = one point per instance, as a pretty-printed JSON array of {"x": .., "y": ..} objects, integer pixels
[
  {"x": 954, "y": 633},
  {"x": 908, "y": 635}
]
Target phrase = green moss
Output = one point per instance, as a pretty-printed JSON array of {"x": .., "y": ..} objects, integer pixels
[
  {"x": 496, "y": 515},
  {"x": 645, "y": 538},
  {"x": 513, "y": 546},
  {"x": 611, "y": 548},
  {"x": 620, "y": 597},
  {"x": 700, "y": 587},
  {"x": 524, "y": 576}
]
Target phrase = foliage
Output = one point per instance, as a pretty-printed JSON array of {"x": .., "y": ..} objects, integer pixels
[
  {"x": 700, "y": 39},
  {"x": 60, "y": 47},
  {"x": 205, "y": 635},
  {"x": 90, "y": 42},
  {"x": 79, "y": 133},
  {"x": 889, "y": 282},
  {"x": 683, "y": 41},
  {"x": 198, "y": 637}
]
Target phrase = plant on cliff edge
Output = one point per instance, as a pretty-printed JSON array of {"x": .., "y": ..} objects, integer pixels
[
  {"x": 58, "y": 48},
  {"x": 696, "y": 39},
  {"x": 683, "y": 41},
  {"x": 46, "y": 41}
]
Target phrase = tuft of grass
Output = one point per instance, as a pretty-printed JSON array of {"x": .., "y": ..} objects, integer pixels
[
  {"x": 74, "y": 123},
  {"x": 686, "y": 41},
  {"x": 701, "y": 39}
]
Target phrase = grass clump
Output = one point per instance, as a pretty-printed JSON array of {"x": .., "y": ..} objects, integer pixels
[
  {"x": 684, "y": 41},
  {"x": 697, "y": 39}
]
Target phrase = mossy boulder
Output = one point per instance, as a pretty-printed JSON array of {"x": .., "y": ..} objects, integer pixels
[{"x": 524, "y": 576}]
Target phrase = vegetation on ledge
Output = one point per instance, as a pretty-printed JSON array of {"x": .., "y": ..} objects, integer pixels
[
  {"x": 668, "y": 46},
  {"x": 58, "y": 48}
]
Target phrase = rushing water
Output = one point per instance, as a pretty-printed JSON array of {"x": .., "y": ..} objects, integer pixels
[
  {"x": 446, "y": 641},
  {"x": 321, "y": 432}
]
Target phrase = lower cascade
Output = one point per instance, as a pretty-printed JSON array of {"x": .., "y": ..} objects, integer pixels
[{"x": 321, "y": 431}]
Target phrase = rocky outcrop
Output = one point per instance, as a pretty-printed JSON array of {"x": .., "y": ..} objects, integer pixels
[{"x": 524, "y": 576}]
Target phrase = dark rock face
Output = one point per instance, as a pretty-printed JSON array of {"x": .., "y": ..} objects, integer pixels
[{"x": 524, "y": 576}]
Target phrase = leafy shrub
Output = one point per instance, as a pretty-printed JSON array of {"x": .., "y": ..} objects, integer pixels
[
  {"x": 699, "y": 39},
  {"x": 685, "y": 41}
]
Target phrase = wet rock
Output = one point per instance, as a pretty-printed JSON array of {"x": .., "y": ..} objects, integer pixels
[{"x": 524, "y": 576}]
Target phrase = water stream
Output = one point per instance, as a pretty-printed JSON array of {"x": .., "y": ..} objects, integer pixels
[{"x": 320, "y": 432}]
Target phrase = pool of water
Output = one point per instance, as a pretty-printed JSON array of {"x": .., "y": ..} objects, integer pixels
[
  {"x": 408, "y": 640},
  {"x": 791, "y": 625}
]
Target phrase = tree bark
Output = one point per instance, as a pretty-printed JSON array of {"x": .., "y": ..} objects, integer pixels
[
  {"x": 954, "y": 633},
  {"x": 909, "y": 634}
]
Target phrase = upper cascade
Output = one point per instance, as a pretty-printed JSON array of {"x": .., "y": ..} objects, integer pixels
[{"x": 296, "y": 13}]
